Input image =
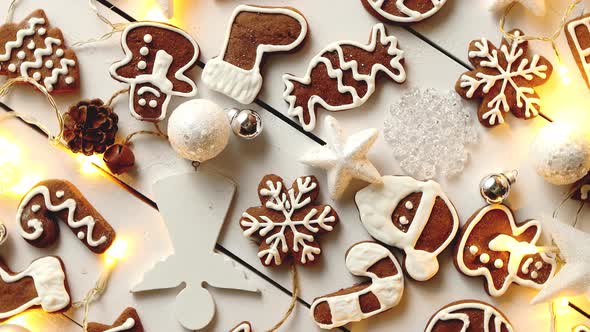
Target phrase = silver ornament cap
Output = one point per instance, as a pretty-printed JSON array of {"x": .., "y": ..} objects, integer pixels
[
  {"x": 3, "y": 233},
  {"x": 245, "y": 124},
  {"x": 495, "y": 188}
]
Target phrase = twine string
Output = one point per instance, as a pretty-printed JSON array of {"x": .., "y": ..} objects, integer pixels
[
  {"x": 10, "y": 13},
  {"x": 115, "y": 27},
  {"x": 115, "y": 95},
  {"x": 157, "y": 133},
  {"x": 295, "y": 294}
]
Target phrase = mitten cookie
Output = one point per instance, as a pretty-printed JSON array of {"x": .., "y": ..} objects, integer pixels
[
  {"x": 404, "y": 11},
  {"x": 469, "y": 316},
  {"x": 383, "y": 292},
  {"x": 343, "y": 76},
  {"x": 288, "y": 222},
  {"x": 43, "y": 283},
  {"x": 157, "y": 57},
  {"x": 128, "y": 321},
  {"x": 412, "y": 215},
  {"x": 253, "y": 31},
  {"x": 32, "y": 48},
  {"x": 52, "y": 200},
  {"x": 504, "y": 79},
  {"x": 492, "y": 245},
  {"x": 577, "y": 32},
  {"x": 242, "y": 327}
]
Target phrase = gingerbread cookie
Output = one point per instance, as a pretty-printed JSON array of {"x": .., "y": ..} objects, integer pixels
[
  {"x": 581, "y": 328},
  {"x": 343, "y": 76},
  {"x": 469, "y": 316},
  {"x": 32, "y": 48},
  {"x": 157, "y": 58},
  {"x": 242, "y": 327},
  {"x": 252, "y": 32},
  {"x": 412, "y": 215},
  {"x": 53, "y": 200},
  {"x": 404, "y": 11},
  {"x": 128, "y": 321},
  {"x": 504, "y": 79},
  {"x": 43, "y": 283},
  {"x": 577, "y": 32},
  {"x": 492, "y": 245},
  {"x": 383, "y": 292},
  {"x": 288, "y": 222}
]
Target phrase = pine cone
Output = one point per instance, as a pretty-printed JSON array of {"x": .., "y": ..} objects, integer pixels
[{"x": 90, "y": 127}]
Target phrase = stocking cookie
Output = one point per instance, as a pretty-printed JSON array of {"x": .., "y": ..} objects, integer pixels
[
  {"x": 252, "y": 32},
  {"x": 383, "y": 292},
  {"x": 157, "y": 58},
  {"x": 469, "y": 316},
  {"x": 288, "y": 222},
  {"x": 504, "y": 79},
  {"x": 128, "y": 321},
  {"x": 43, "y": 283},
  {"x": 343, "y": 76},
  {"x": 492, "y": 245},
  {"x": 242, "y": 327},
  {"x": 577, "y": 32},
  {"x": 412, "y": 215},
  {"x": 32, "y": 48},
  {"x": 53, "y": 200},
  {"x": 404, "y": 11}
]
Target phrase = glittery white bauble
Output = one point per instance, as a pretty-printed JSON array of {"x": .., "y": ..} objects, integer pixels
[
  {"x": 13, "y": 328},
  {"x": 561, "y": 153},
  {"x": 198, "y": 130}
]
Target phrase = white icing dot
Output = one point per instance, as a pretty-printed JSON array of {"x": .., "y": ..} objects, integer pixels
[
  {"x": 141, "y": 102},
  {"x": 473, "y": 250},
  {"x": 35, "y": 207},
  {"x": 153, "y": 103},
  {"x": 403, "y": 220},
  {"x": 534, "y": 275},
  {"x": 144, "y": 51},
  {"x": 81, "y": 235},
  {"x": 141, "y": 65},
  {"x": 21, "y": 55},
  {"x": 484, "y": 258},
  {"x": 12, "y": 67},
  {"x": 69, "y": 80},
  {"x": 498, "y": 263},
  {"x": 59, "y": 52},
  {"x": 538, "y": 265},
  {"x": 49, "y": 64},
  {"x": 60, "y": 193},
  {"x": 409, "y": 205},
  {"x": 31, "y": 45},
  {"x": 41, "y": 31},
  {"x": 147, "y": 38},
  {"x": 36, "y": 76}
]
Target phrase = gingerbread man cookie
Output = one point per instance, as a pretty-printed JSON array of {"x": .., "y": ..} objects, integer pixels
[
  {"x": 53, "y": 200},
  {"x": 362, "y": 301},
  {"x": 403, "y": 11},
  {"x": 288, "y": 222},
  {"x": 252, "y": 32},
  {"x": 469, "y": 316},
  {"x": 43, "y": 283},
  {"x": 128, "y": 321},
  {"x": 343, "y": 76},
  {"x": 242, "y": 327},
  {"x": 504, "y": 79},
  {"x": 492, "y": 245},
  {"x": 157, "y": 59},
  {"x": 412, "y": 215},
  {"x": 32, "y": 48},
  {"x": 577, "y": 32}
]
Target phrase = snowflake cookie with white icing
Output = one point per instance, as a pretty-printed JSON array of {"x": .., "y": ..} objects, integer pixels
[
  {"x": 288, "y": 222},
  {"x": 504, "y": 79},
  {"x": 469, "y": 316},
  {"x": 494, "y": 246},
  {"x": 32, "y": 48},
  {"x": 128, "y": 321},
  {"x": 403, "y": 11},
  {"x": 383, "y": 292},
  {"x": 415, "y": 216}
]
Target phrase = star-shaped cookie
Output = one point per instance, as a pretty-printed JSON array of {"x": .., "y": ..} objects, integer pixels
[
  {"x": 537, "y": 7},
  {"x": 344, "y": 158}
]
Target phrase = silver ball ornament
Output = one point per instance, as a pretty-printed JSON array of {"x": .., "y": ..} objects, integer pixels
[
  {"x": 245, "y": 124},
  {"x": 198, "y": 130},
  {"x": 495, "y": 188}
]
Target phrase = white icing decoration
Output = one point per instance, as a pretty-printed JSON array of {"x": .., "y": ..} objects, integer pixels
[
  {"x": 505, "y": 243},
  {"x": 153, "y": 103},
  {"x": 35, "y": 207},
  {"x": 409, "y": 205},
  {"x": 141, "y": 65},
  {"x": 62, "y": 70},
  {"x": 69, "y": 204},
  {"x": 21, "y": 55},
  {"x": 31, "y": 45},
  {"x": 49, "y": 64},
  {"x": 491, "y": 316},
  {"x": 403, "y": 220},
  {"x": 81, "y": 235},
  {"x": 42, "y": 31},
  {"x": 161, "y": 66},
  {"x": 538, "y": 265},
  {"x": 127, "y": 325},
  {"x": 141, "y": 102},
  {"x": 38, "y": 55},
  {"x": 473, "y": 250},
  {"x": 582, "y": 328},
  {"x": 584, "y": 191},
  {"x": 49, "y": 280},
  {"x": 59, "y": 52},
  {"x": 240, "y": 84},
  {"x": 37, "y": 76},
  {"x": 388, "y": 291},
  {"x": 498, "y": 263},
  {"x": 147, "y": 38},
  {"x": 59, "y": 194},
  {"x": 69, "y": 80},
  {"x": 534, "y": 274},
  {"x": 12, "y": 67},
  {"x": 411, "y": 16},
  {"x": 244, "y": 327},
  {"x": 376, "y": 204},
  {"x": 144, "y": 51},
  {"x": 378, "y": 35},
  {"x": 484, "y": 258},
  {"x": 20, "y": 37}
]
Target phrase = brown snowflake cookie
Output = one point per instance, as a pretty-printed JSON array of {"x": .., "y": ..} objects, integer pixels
[
  {"x": 383, "y": 292},
  {"x": 288, "y": 222},
  {"x": 415, "y": 216},
  {"x": 492, "y": 245},
  {"x": 128, "y": 321},
  {"x": 43, "y": 283},
  {"x": 504, "y": 78},
  {"x": 343, "y": 76},
  {"x": 242, "y": 327},
  {"x": 52, "y": 200},
  {"x": 405, "y": 11},
  {"x": 32, "y": 48},
  {"x": 157, "y": 58},
  {"x": 253, "y": 31},
  {"x": 577, "y": 32},
  {"x": 469, "y": 316}
]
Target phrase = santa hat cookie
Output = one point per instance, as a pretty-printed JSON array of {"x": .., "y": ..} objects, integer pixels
[{"x": 252, "y": 32}]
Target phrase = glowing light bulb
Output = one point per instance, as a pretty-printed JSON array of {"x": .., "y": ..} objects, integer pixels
[
  {"x": 156, "y": 14},
  {"x": 564, "y": 73},
  {"x": 87, "y": 164},
  {"x": 116, "y": 252},
  {"x": 563, "y": 302}
]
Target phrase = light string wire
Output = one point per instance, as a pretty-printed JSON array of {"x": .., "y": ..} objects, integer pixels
[
  {"x": 93, "y": 294},
  {"x": 10, "y": 12},
  {"x": 115, "y": 27}
]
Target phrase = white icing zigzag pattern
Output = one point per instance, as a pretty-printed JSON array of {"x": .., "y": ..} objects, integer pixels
[
  {"x": 20, "y": 37},
  {"x": 411, "y": 16}
]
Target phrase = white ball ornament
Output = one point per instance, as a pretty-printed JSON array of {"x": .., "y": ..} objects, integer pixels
[
  {"x": 198, "y": 130},
  {"x": 561, "y": 153}
]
